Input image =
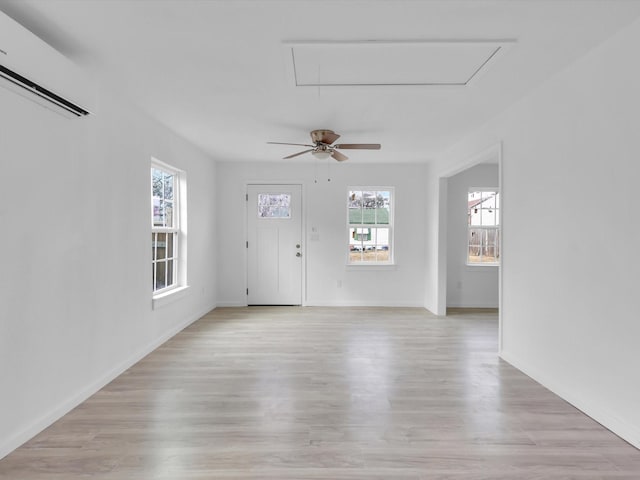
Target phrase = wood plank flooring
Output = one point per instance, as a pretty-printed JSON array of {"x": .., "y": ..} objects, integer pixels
[{"x": 326, "y": 393}]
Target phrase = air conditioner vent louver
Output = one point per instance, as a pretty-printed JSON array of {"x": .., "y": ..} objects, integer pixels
[{"x": 42, "y": 92}]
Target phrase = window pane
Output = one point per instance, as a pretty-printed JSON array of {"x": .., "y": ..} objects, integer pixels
[
  {"x": 490, "y": 250},
  {"x": 161, "y": 279},
  {"x": 355, "y": 256},
  {"x": 369, "y": 254},
  {"x": 482, "y": 208},
  {"x": 356, "y": 236},
  {"x": 354, "y": 202},
  {"x": 489, "y": 201},
  {"x": 161, "y": 246},
  {"x": 368, "y": 244},
  {"x": 272, "y": 205},
  {"x": 382, "y": 253},
  {"x": 368, "y": 207},
  {"x": 383, "y": 204},
  {"x": 368, "y": 216},
  {"x": 156, "y": 182},
  {"x": 381, "y": 239},
  {"x": 488, "y": 217},
  {"x": 368, "y": 199},
  {"x": 355, "y": 199},
  {"x": 168, "y": 213},
  {"x": 474, "y": 200},
  {"x": 355, "y": 215},
  {"x": 475, "y": 216},
  {"x": 169, "y": 278},
  {"x": 168, "y": 186},
  {"x": 483, "y": 245},
  {"x": 382, "y": 236},
  {"x": 170, "y": 245},
  {"x": 158, "y": 214},
  {"x": 475, "y": 242},
  {"x": 382, "y": 244},
  {"x": 162, "y": 184}
]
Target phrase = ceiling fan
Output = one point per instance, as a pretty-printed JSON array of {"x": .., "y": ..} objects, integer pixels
[{"x": 323, "y": 146}]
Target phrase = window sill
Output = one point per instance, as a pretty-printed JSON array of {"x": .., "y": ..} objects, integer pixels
[
  {"x": 371, "y": 266},
  {"x": 165, "y": 298},
  {"x": 481, "y": 265}
]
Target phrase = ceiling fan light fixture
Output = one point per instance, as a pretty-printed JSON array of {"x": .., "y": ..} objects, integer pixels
[{"x": 321, "y": 154}]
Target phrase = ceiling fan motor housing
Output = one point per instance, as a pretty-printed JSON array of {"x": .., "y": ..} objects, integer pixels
[{"x": 317, "y": 136}]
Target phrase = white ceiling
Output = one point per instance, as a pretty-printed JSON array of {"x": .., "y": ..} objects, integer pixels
[
  {"x": 399, "y": 63},
  {"x": 220, "y": 74}
]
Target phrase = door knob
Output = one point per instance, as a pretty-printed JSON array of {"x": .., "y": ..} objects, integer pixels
[
  {"x": 298, "y": 245},
  {"x": 298, "y": 254}
]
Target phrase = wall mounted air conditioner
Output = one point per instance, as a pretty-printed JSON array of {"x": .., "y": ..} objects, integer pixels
[{"x": 35, "y": 70}]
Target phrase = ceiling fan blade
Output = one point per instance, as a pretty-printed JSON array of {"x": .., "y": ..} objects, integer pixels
[
  {"x": 358, "y": 146},
  {"x": 339, "y": 156},
  {"x": 297, "y": 144},
  {"x": 329, "y": 137},
  {"x": 299, "y": 153}
]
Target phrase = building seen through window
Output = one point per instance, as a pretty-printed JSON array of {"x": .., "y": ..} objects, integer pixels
[{"x": 483, "y": 220}]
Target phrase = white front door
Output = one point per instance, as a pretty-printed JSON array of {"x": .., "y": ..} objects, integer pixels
[{"x": 274, "y": 244}]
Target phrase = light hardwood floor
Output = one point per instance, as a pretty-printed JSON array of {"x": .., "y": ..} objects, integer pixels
[{"x": 326, "y": 393}]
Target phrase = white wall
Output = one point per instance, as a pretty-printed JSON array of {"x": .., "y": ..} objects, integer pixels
[
  {"x": 75, "y": 287},
  {"x": 435, "y": 214},
  {"x": 325, "y": 206},
  {"x": 570, "y": 310},
  {"x": 468, "y": 286}
]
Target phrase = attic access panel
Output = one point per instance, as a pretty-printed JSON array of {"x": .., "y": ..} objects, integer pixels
[{"x": 448, "y": 63}]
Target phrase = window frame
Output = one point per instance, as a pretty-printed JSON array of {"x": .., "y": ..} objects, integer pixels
[
  {"x": 176, "y": 231},
  {"x": 497, "y": 228},
  {"x": 390, "y": 226}
]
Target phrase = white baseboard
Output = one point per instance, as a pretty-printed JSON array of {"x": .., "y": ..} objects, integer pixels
[
  {"x": 472, "y": 305},
  {"x": 332, "y": 303},
  {"x": 231, "y": 304},
  {"x": 601, "y": 414},
  {"x": 9, "y": 445},
  {"x": 339, "y": 303}
]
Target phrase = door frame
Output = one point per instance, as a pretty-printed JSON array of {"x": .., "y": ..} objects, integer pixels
[
  {"x": 494, "y": 152},
  {"x": 303, "y": 233}
]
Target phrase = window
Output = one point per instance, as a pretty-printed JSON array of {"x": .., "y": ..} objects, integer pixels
[
  {"x": 165, "y": 227},
  {"x": 274, "y": 205},
  {"x": 370, "y": 225},
  {"x": 483, "y": 219}
]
